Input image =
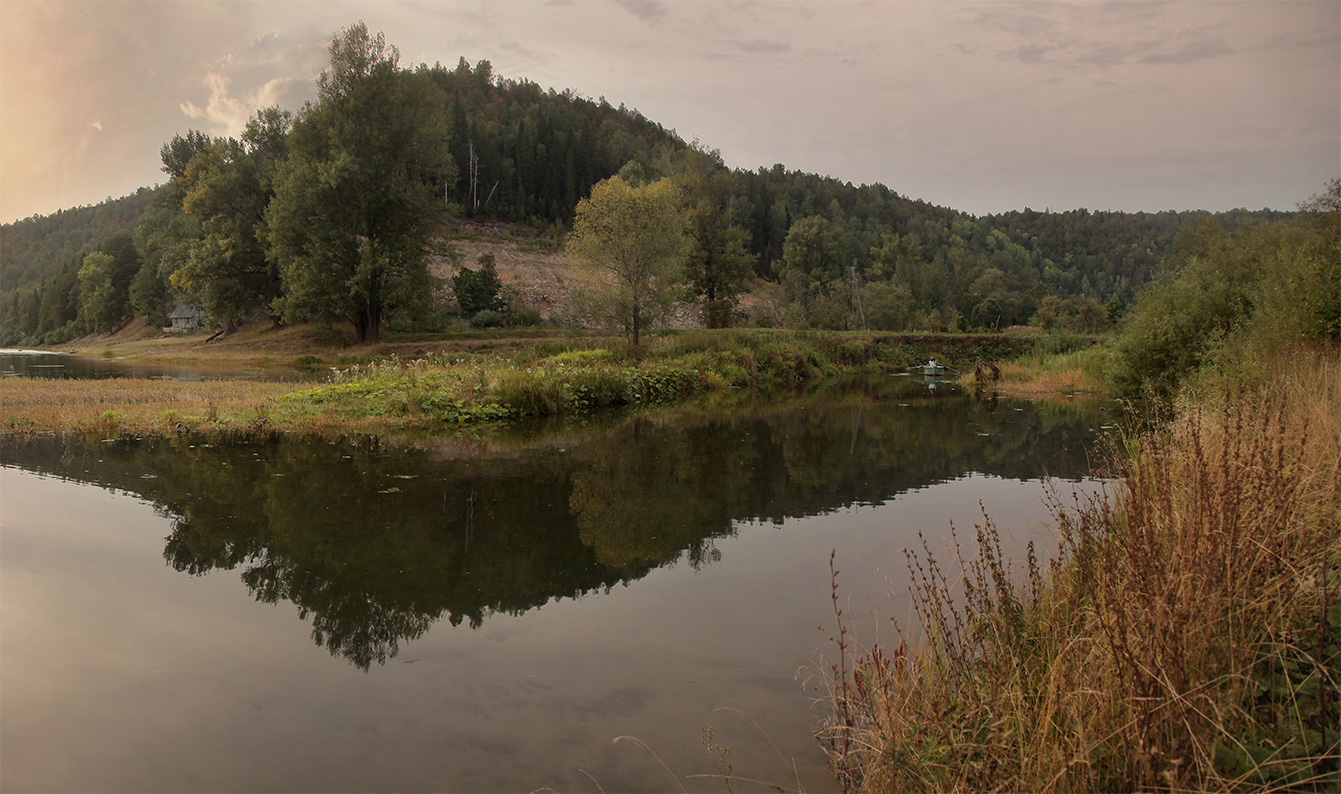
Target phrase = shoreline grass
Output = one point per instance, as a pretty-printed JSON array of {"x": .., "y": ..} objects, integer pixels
[
  {"x": 531, "y": 378},
  {"x": 1057, "y": 366},
  {"x": 1186, "y": 636}
]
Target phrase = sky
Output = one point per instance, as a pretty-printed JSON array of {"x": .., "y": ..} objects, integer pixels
[{"x": 983, "y": 107}]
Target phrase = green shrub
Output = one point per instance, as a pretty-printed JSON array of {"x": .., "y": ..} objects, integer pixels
[
  {"x": 1059, "y": 344},
  {"x": 478, "y": 290},
  {"x": 488, "y": 319},
  {"x": 523, "y": 318},
  {"x": 1226, "y": 300}
]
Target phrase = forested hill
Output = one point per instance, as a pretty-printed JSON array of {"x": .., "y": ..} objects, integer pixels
[
  {"x": 518, "y": 153},
  {"x": 32, "y": 249},
  {"x": 537, "y": 152}
]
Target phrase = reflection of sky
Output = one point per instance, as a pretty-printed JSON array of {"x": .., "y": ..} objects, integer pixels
[
  {"x": 982, "y": 107},
  {"x": 119, "y": 673},
  {"x": 44, "y": 364}
]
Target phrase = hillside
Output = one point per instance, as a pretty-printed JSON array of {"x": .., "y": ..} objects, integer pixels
[
  {"x": 33, "y": 249},
  {"x": 519, "y": 158},
  {"x": 535, "y": 274}
]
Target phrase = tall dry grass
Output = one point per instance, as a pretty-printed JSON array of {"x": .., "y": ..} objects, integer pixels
[
  {"x": 134, "y": 406},
  {"x": 1186, "y": 636}
]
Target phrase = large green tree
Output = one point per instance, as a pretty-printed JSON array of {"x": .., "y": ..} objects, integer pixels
[
  {"x": 229, "y": 184},
  {"x": 634, "y": 237},
  {"x": 815, "y": 247},
  {"x": 717, "y": 264},
  {"x": 165, "y": 233},
  {"x": 354, "y": 203},
  {"x": 104, "y": 283}
]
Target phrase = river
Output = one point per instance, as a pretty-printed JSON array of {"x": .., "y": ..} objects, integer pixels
[
  {"x": 46, "y": 364},
  {"x": 485, "y": 611}
]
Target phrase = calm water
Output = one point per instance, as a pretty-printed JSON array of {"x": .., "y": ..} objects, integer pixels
[
  {"x": 484, "y": 612},
  {"x": 43, "y": 364}
]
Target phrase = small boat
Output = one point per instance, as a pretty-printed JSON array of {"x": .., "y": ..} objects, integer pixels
[{"x": 932, "y": 368}]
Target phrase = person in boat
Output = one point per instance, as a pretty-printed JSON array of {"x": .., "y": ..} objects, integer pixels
[{"x": 933, "y": 364}]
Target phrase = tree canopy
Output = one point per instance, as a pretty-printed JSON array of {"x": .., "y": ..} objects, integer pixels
[
  {"x": 228, "y": 186},
  {"x": 634, "y": 237},
  {"x": 349, "y": 225}
]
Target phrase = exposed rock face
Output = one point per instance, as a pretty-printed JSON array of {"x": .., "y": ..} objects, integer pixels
[
  {"x": 532, "y": 278},
  {"x": 537, "y": 274}
]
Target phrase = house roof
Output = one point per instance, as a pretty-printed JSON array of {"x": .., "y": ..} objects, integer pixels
[{"x": 187, "y": 311}]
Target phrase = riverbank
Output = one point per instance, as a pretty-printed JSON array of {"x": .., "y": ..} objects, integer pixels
[
  {"x": 1186, "y": 636},
  {"x": 1056, "y": 366},
  {"x": 479, "y": 378}
]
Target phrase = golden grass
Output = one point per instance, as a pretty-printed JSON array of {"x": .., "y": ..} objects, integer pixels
[
  {"x": 134, "y": 406},
  {"x": 1186, "y": 637},
  {"x": 1041, "y": 375},
  {"x": 259, "y": 345}
]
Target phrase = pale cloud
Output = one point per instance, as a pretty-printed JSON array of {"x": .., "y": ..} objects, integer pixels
[
  {"x": 764, "y": 45},
  {"x": 228, "y": 115},
  {"x": 646, "y": 10}
]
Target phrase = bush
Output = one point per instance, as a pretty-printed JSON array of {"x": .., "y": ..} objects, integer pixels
[
  {"x": 521, "y": 318},
  {"x": 478, "y": 290},
  {"x": 1226, "y": 299},
  {"x": 488, "y": 319}
]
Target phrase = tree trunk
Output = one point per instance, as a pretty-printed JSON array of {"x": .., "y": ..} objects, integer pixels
[
  {"x": 636, "y": 319},
  {"x": 368, "y": 325}
]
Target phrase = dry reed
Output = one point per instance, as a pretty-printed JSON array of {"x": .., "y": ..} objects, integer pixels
[
  {"x": 133, "y": 406},
  {"x": 1187, "y": 635}
]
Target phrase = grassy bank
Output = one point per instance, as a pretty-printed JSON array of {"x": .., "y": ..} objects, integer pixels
[
  {"x": 512, "y": 377},
  {"x": 1185, "y": 636},
  {"x": 1054, "y": 365},
  {"x": 138, "y": 407}
]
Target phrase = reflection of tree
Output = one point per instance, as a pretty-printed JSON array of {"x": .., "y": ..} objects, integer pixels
[
  {"x": 654, "y": 491},
  {"x": 373, "y": 545}
]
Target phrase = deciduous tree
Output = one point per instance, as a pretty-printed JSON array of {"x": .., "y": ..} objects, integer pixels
[
  {"x": 634, "y": 237},
  {"x": 717, "y": 264},
  {"x": 478, "y": 290},
  {"x": 104, "y": 283},
  {"x": 228, "y": 187},
  {"x": 354, "y": 202},
  {"x": 814, "y": 246}
]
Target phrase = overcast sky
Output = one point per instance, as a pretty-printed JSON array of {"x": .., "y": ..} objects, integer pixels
[{"x": 984, "y": 107}]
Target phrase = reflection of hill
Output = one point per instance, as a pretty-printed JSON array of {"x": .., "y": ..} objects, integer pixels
[{"x": 373, "y": 545}]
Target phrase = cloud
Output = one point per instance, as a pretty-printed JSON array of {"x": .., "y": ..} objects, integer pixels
[
  {"x": 97, "y": 125},
  {"x": 764, "y": 46},
  {"x": 646, "y": 10},
  {"x": 1032, "y": 54},
  {"x": 229, "y": 114},
  {"x": 1103, "y": 37},
  {"x": 524, "y": 54},
  {"x": 1189, "y": 52}
]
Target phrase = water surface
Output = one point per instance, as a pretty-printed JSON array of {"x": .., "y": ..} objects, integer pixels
[
  {"x": 482, "y": 612},
  {"x": 46, "y": 364}
]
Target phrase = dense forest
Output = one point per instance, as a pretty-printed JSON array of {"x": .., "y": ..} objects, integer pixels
[{"x": 330, "y": 212}]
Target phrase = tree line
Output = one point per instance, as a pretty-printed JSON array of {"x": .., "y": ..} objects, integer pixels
[
  {"x": 1228, "y": 303},
  {"x": 331, "y": 213}
]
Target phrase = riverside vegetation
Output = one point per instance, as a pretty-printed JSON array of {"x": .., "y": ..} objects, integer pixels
[
  {"x": 417, "y": 393},
  {"x": 1185, "y": 634}
]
